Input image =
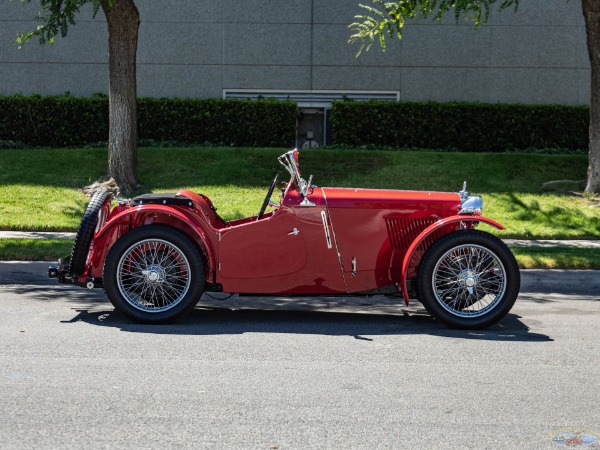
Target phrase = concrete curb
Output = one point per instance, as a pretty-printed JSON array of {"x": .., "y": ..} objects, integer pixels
[
  {"x": 25, "y": 272},
  {"x": 584, "y": 282}
]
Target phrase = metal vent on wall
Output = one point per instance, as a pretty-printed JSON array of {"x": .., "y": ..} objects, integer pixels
[{"x": 311, "y": 99}]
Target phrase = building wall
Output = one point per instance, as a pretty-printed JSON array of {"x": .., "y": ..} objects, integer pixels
[{"x": 191, "y": 48}]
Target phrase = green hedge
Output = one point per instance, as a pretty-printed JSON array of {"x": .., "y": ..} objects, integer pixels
[
  {"x": 53, "y": 121},
  {"x": 462, "y": 126},
  {"x": 240, "y": 123},
  {"x": 69, "y": 121}
]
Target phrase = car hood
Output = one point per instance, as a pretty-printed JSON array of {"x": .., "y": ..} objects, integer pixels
[{"x": 387, "y": 199}]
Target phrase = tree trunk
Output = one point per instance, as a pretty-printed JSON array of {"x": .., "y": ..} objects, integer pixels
[
  {"x": 123, "y": 21},
  {"x": 591, "y": 13}
]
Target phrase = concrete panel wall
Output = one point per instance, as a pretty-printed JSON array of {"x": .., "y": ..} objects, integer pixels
[{"x": 192, "y": 48}]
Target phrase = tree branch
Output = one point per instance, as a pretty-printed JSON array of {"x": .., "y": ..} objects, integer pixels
[{"x": 383, "y": 18}]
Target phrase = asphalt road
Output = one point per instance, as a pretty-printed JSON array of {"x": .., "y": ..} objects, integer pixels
[{"x": 306, "y": 373}]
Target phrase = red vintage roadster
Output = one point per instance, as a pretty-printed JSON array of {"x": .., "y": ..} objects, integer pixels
[{"x": 156, "y": 254}]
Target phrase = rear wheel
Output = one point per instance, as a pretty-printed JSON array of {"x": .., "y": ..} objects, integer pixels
[
  {"x": 468, "y": 279},
  {"x": 93, "y": 219},
  {"x": 154, "y": 274}
]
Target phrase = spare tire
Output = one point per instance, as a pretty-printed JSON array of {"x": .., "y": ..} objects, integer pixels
[{"x": 93, "y": 219}]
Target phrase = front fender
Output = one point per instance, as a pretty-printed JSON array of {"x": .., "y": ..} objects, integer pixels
[
  {"x": 428, "y": 232},
  {"x": 188, "y": 223}
]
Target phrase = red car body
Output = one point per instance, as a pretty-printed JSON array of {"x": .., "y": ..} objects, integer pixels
[{"x": 317, "y": 241}]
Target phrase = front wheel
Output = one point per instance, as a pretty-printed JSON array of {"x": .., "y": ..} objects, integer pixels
[
  {"x": 468, "y": 279},
  {"x": 154, "y": 274}
]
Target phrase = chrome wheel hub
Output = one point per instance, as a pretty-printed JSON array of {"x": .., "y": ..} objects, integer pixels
[
  {"x": 468, "y": 279},
  {"x": 154, "y": 274}
]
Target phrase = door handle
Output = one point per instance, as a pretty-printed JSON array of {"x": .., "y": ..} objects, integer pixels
[{"x": 294, "y": 232}]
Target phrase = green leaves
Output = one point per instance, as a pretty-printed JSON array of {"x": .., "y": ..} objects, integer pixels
[
  {"x": 56, "y": 17},
  {"x": 383, "y": 18}
]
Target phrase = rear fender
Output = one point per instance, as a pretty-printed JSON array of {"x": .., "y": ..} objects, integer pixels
[
  {"x": 186, "y": 222},
  {"x": 448, "y": 222}
]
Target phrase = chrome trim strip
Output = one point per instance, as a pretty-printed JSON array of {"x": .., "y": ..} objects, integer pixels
[
  {"x": 337, "y": 248},
  {"x": 327, "y": 236}
]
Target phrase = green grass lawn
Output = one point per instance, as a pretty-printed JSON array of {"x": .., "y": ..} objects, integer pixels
[
  {"x": 557, "y": 258},
  {"x": 39, "y": 187},
  {"x": 16, "y": 249}
]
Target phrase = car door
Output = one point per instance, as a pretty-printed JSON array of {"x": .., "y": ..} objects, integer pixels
[{"x": 270, "y": 247}]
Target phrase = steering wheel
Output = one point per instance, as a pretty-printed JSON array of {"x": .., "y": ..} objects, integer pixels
[{"x": 267, "y": 198}]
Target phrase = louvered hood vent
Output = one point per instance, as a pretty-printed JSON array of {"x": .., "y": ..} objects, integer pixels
[{"x": 404, "y": 230}]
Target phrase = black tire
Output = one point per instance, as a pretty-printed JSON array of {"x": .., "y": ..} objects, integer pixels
[
  {"x": 468, "y": 279},
  {"x": 154, "y": 274},
  {"x": 93, "y": 218}
]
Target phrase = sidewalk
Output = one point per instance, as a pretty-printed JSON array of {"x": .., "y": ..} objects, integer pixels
[
  {"x": 36, "y": 235},
  {"x": 509, "y": 242},
  {"x": 552, "y": 243}
]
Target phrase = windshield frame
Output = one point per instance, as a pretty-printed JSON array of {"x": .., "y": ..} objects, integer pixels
[{"x": 289, "y": 160}]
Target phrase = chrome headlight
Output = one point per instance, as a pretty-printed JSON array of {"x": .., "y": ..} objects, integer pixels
[{"x": 472, "y": 205}]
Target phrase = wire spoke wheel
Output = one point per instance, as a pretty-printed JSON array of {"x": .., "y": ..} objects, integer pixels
[
  {"x": 153, "y": 275},
  {"x": 469, "y": 280}
]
